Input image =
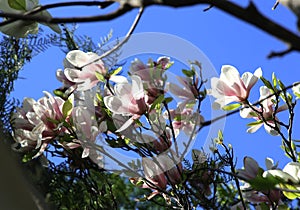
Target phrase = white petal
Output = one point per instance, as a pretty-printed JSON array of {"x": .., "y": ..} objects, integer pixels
[
  {"x": 270, "y": 130},
  {"x": 115, "y": 104},
  {"x": 77, "y": 58},
  {"x": 254, "y": 128},
  {"x": 258, "y": 73},
  {"x": 229, "y": 74},
  {"x": 281, "y": 174},
  {"x": 269, "y": 163},
  {"x": 118, "y": 79},
  {"x": 293, "y": 168}
]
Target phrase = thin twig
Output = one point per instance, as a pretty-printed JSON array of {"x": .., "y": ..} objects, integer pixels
[{"x": 116, "y": 47}]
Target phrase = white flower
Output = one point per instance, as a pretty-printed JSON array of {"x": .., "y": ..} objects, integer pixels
[
  {"x": 129, "y": 100},
  {"x": 85, "y": 78},
  {"x": 230, "y": 87}
]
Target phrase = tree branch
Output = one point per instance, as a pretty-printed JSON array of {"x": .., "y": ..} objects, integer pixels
[{"x": 249, "y": 14}]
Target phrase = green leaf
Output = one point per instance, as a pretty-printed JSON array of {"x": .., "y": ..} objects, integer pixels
[
  {"x": 264, "y": 206},
  {"x": 116, "y": 71},
  {"x": 99, "y": 76},
  {"x": 169, "y": 65},
  {"x": 290, "y": 195},
  {"x": 188, "y": 73},
  {"x": 231, "y": 107},
  {"x": 274, "y": 79},
  {"x": 267, "y": 83},
  {"x": 168, "y": 99},
  {"x": 157, "y": 101},
  {"x": 27, "y": 157},
  {"x": 254, "y": 123},
  {"x": 264, "y": 183},
  {"x": 281, "y": 85},
  {"x": 220, "y": 135},
  {"x": 17, "y": 4},
  {"x": 67, "y": 107}
]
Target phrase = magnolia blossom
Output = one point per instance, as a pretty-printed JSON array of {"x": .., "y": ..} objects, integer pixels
[
  {"x": 85, "y": 78},
  {"x": 87, "y": 129},
  {"x": 185, "y": 120},
  {"x": 129, "y": 100},
  {"x": 267, "y": 111},
  {"x": 151, "y": 75},
  {"x": 188, "y": 91},
  {"x": 34, "y": 123},
  {"x": 230, "y": 87},
  {"x": 160, "y": 171},
  {"x": 289, "y": 177},
  {"x": 146, "y": 71}
]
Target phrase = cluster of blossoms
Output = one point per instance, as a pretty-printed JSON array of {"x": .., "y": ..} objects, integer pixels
[{"x": 96, "y": 102}]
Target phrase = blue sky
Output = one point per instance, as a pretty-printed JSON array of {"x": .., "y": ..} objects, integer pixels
[{"x": 221, "y": 37}]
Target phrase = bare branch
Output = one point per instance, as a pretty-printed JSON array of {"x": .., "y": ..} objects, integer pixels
[
  {"x": 248, "y": 14},
  {"x": 116, "y": 47}
]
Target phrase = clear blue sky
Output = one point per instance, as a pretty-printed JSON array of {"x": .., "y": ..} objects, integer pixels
[{"x": 224, "y": 40}]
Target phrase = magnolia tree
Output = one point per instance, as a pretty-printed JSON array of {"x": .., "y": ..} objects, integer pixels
[{"x": 140, "y": 121}]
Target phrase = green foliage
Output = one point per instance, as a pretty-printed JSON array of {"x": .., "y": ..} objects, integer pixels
[{"x": 17, "y": 4}]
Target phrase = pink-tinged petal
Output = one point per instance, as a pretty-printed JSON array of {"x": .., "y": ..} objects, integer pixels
[
  {"x": 230, "y": 75},
  {"x": 55, "y": 103},
  {"x": 27, "y": 104},
  {"x": 267, "y": 104},
  {"x": 42, "y": 149},
  {"x": 137, "y": 87},
  {"x": 87, "y": 84},
  {"x": 251, "y": 166},
  {"x": 123, "y": 90},
  {"x": 180, "y": 92},
  {"x": 282, "y": 108},
  {"x": 254, "y": 128},
  {"x": 250, "y": 79},
  {"x": 250, "y": 170},
  {"x": 126, "y": 124},
  {"x": 72, "y": 145}
]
